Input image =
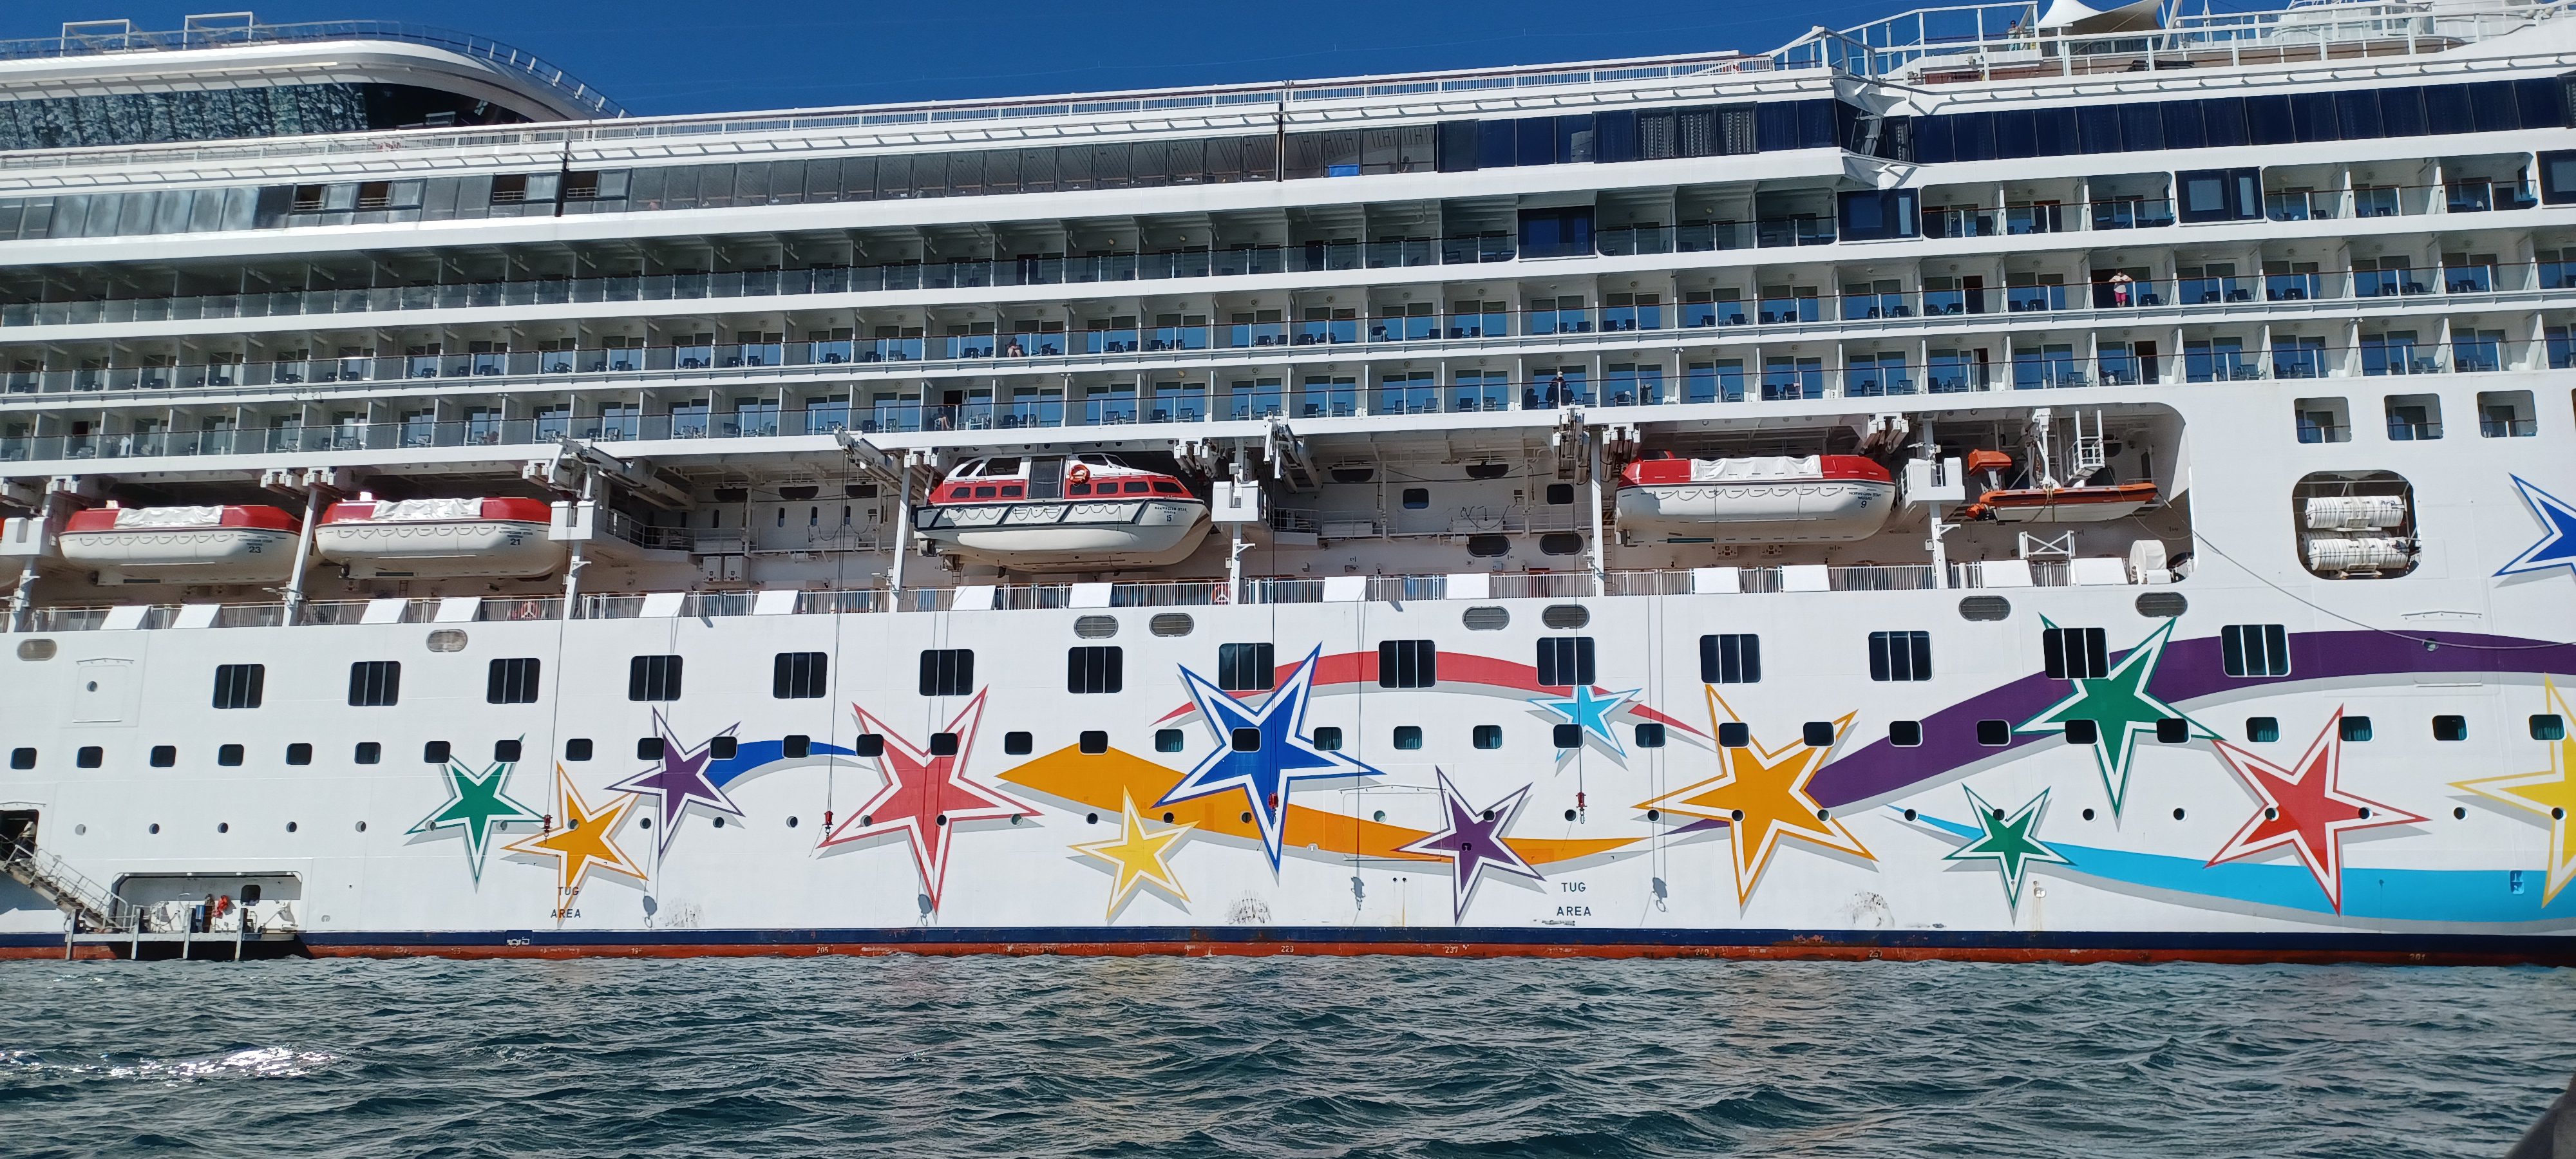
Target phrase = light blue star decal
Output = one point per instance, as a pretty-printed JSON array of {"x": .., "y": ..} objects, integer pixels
[
  {"x": 1284, "y": 754},
  {"x": 1591, "y": 711},
  {"x": 2557, "y": 548}
]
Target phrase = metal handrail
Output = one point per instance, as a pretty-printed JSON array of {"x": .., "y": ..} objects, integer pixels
[{"x": 199, "y": 36}]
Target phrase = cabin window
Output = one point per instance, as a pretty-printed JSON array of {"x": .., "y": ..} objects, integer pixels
[
  {"x": 1246, "y": 667},
  {"x": 947, "y": 671},
  {"x": 506, "y": 751},
  {"x": 230, "y": 755},
  {"x": 1905, "y": 734},
  {"x": 1167, "y": 740},
  {"x": 1408, "y": 737},
  {"x": 367, "y": 753},
  {"x": 2354, "y": 728},
  {"x": 1565, "y": 661},
  {"x": 165, "y": 756},
  {"x": 1416, "y": 498},
  {"x": 2255, "y": 649},
  {"x": 653, "y": 678},
  {"x": 1018, "y": 744},
  {"x": 512, "y": 680},
  {"x": 1650, "y": 736},
  {"x": 1408, "y": 663},
  {"x": 1818, "y": 734},
  {"x": 1488, "y": 736},
  {"x": 375, "y": 683},
  {"x": 1094, "y": 741},
  {"x": 799, "y": 676},
  {"x": 89, "y": 757},
  {"x": 432, "y": 752},
  {"x": 1900, "y": 655},
  {"x": 1100, "y": 669},
  {"x": 1734, "y": 734},
  {"x": 2262, "y": 729},
  {"x": 1566, "y": 736},
  {"x": 1328, "y": 739},
  {"x": 2450, "y": 728},
  {"x": 299, "y": 753},
  {"x": 1994, "y": 734},
  {"x": 238, "y": 685},
  {"x": 649, "y": 748},
  {"x": 1730, "y": 659},
  {"x": 2073, "y": 653},
  {"x": 577, "y": 749}
]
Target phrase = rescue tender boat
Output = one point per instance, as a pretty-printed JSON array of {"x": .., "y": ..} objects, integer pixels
[
  {"x": 1063, "y": 513},
  {"x": 1779, "y": 499},
  {"x": 230, "y": 544},
  {"x": 2084, "y": 503},
  {"x": 439, "y": 537}
]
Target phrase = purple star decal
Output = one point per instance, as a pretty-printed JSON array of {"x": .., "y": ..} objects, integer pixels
[
  {"x": 680, "y": 778},
  {"x": 1474, "y": 840}
]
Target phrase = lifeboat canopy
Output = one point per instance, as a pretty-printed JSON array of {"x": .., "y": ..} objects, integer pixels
[
  {"x": 209, "y": 545},
  {"x": 1759, "y": 499}
]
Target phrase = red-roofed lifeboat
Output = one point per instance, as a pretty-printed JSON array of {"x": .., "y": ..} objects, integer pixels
[
  {"x": 208, "y": 545},
  {"x": 1772, "y": 499},
  {"x": 501, "y": 537},
  {"x": 1086, "y": 512}
]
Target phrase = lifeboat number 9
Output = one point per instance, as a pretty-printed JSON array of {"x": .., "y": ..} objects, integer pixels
[{"x": 1081, "y": 473}]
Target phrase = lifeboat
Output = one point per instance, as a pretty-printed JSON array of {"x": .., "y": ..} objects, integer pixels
[
  {"x": 1783, "y": 499},
  {"x": 232, "y": 544},
  {"x": 1082, "y": 512},
  {"x": 2089, "y": 504},
  {"x": 385, "y": 538}
]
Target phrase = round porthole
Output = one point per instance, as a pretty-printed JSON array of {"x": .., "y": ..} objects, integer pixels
[
  {"x": 1569, "y": 814},
  {"x": 1167, "y": 818},
  {"x": 155, "y": 828},
  {"x": 941, "y": 819},
  {"x": 2177, "y": 814},
  {"x": 80, "y": 830},
  {"x": 2459, "y": 814},
  {"x": 1654, "y": 814},
  {"x": 2088, "y": 814},
  {"x": 1091, "y": 818},
  {"x": 1909, "y": 814},
  {"x": 719, "y": 822},
  {"x": 362, "y": 826},
  {"x": 791, "y": 822},
  {"x": 290, "y": 826},
  {"x": 223, "y": 827},
  {"x": 1378, "y": 816}
]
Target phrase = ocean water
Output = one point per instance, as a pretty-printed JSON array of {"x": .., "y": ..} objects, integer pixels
[{"x": 1273, "y": 1057}]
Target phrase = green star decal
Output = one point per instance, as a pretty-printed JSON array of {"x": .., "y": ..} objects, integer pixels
[
  {"x": 2120, "y": 708},
  {"x": 2012, "y": 843},
  {"x": 477, "y": 805}
]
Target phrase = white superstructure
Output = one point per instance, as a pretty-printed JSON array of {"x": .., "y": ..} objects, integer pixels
[{"x": 1988, "y": 482}]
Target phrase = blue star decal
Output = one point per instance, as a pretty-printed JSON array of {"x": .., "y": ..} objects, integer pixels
[
  {"x": 1284, "y": 756},
  {"x": 1591, "y": 710},
  {"x": 2557, "y": 548}
]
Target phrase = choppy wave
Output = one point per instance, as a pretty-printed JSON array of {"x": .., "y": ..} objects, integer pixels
[{"x": 1273, "y": 1057}]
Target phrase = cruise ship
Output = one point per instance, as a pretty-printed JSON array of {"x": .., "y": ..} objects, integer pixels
[{"x": 2020, "y": 481}]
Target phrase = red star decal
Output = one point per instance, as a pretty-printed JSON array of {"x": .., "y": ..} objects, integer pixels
[
  {"x": 2305, "y": 808},
  {"x": 926, "y": 797}
]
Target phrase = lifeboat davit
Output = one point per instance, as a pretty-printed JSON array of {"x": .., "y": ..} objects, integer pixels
[
  {"x": 1783, "y": 499},
  {"x": 232, "y": 544},
  {"x": 1085, "y": 512},
  {"x": 386, "y": 538},
  {"x": 2100, "y": 504}
]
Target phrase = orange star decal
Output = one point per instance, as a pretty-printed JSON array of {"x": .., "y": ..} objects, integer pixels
[
  {"x": 1762, "y": 796},
  {"x": 585, "y": 840}
]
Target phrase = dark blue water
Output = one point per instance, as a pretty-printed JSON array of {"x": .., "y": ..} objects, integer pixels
[{"x": 1274, "y": 1057}]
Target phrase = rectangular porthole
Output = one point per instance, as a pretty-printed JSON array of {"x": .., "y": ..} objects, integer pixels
[
  {"x": 1328, "y": 739},
  {"x": 1905, "y": 734},
  {"x": 2262, "y": 729},
  {"x": 1408, "y": 737},
  {"x": 2548, "y": 726},
  {"x": 239, "y": 685},
  {"x": 2450, "y": 728},
  {"x": 2255, "y": 649},
  {"x": 2075, "y": 653},
  {"x": 2353, "y": 728},
  {"x": 511, "y": 680},
  {"x": 2083, "y": 732},
  {"x": 1487, "y": 736},
  {"x": 653, "y": 678},
  {"x": 947, "y": 671},
  {"x": 1730, "y": 659},
  {"x": 1018, "y": 744},
  {"x": 1994, "y": 734},
  {"x": 1900, "y": 655},
  {"x": 299, "y": 753},
  {"x": 1095, "y": 670},
  {"x": 577, "y": 749},
  {"x": 1094, "y": 741},
  {"x": 1168, "y": 740},
  {"x": 1650, "y": 736},
  {"x": 1245, "y": 667},
  {"x": 1734, "y": 734},
  {"x": 89, "y": 757},
  {"x": 1408, "y": 663}
]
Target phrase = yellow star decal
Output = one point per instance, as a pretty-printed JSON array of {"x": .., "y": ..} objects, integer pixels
[
  {"x": 1139, "y": 856},
  {"x": 2550, "y": 792},
  {"x": 1762, "y": 796},
  {"x": 585, "y": 840}
]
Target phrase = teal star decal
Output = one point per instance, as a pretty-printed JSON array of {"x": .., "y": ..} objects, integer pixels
[
  {"x": 2012, "y": 843},
  {"x": 2120, "y": 708},
  {"x": 1591, "y": 711},
  {"x": 476, "y": 804}
]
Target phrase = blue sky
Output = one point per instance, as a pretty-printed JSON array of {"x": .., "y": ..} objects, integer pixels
[{"x": 666, "y": 56}]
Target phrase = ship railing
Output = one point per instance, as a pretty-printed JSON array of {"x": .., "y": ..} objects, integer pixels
[
  {"x": 2123, "y": 212},
  {"x": 1999, "y": 41},
  {"x": 1824, "y": 368},
  {"x": 860, "y": 125},
  {"x": 1555, "y": 585},
  {"x": 117, "y": 37}
]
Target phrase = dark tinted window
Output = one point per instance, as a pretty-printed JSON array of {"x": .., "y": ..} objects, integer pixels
[
  {"x": 375, "y": 683},
  {"x": 511, "y": 680},
  {"x": 653, "y": 678}
]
